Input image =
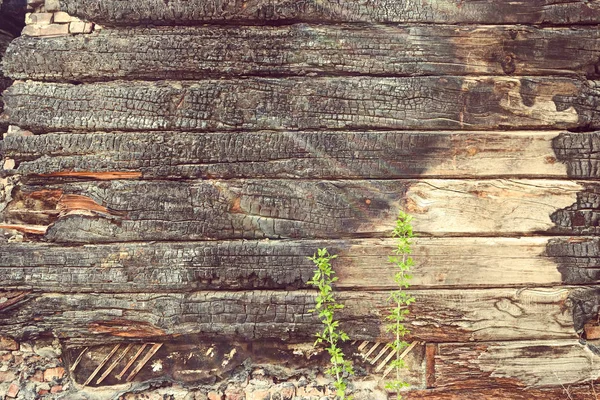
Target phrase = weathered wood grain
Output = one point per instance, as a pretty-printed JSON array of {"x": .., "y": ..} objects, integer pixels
[
  {"x": 361, "y": 264},
  {"x": 402, "y": 50},
  {"x": 437, "y": 315},
  {"x": 95, "y": 212},
  {"x": 428, "y": 11},
  {"x": 578, "y": 392},
  {"x": 325, "y": 155},
  {"x": 525, "y": 364},
  {"x": 473, "y": 103}
]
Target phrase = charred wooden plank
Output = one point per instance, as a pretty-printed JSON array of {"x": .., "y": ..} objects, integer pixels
[
  {"x": 402, "y": 50},
  {"x": 325, "y": 155},
  {"x": 437, "y": 315},
  {"x": 472, "y": 103},
  {"x": 173, "y": 267},
  {"x": 525, "y": 364},
  {"x": 429, "y": 11},
  {"x": 96, "y": 212}
]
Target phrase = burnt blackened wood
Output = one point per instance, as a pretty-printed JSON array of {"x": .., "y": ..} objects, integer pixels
[
  {"x": 579, "y": 152},
  {"x": 577, "y": 259},
  {"x": 428, "y": 11},
  {"x": 325, "y": 155},
  {"x": 96, "y": 212},
  {"x": 408, "y": 50},
  {"x": 583, "y": 216},
  {"x": 233, "y": 265},
  {"x": 437, "y": 315},
  {"x": 473, "y": 103}
]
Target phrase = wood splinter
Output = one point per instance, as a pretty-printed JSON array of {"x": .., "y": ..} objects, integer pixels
[
  {"x": 130, "y": 363},
  {"x": 144, "y": 360},
  {"x": 114, "y": 364},
  {"x": 113, "y": 351}
]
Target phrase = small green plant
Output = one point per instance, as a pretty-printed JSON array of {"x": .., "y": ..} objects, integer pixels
[
  {"x": 326, "y": 306},
  {"x": 399, "y": 298}
]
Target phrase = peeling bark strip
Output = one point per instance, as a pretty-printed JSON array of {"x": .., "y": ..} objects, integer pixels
[
  {"x": 326, "y": 155},
  {"x": 361, "y": 264},
  {"x": 300, "y": 103},
  {"x": 524, "y": 364},
  {"x": 95, "y": 212},
  {"x": 438, "y": 315},
  {"x": 192, "y": 52},
  {"x": 425, "y": 11}
]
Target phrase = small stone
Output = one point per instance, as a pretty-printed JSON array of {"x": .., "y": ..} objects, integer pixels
[
  {"x": 26, "y": 347},
  {"x": 62, "y": 17},
  {"x": 40, "y": 18},
  {"x": 234, "y": 394},
  {"x": 54, "y": 30},
  {"x": 8, "y": 344},
  {"x": 56, "y": 389},
  {"x": 214, "y": 396},
  {"x": 52, "y": 5},
  {"x": 38, "y": 376},
  {"x": 80, "y": 27},
  {"x": 53, "y": 373},
  {"x": 260, "y": 394},
  {"x": 6, "y": 376},
  {"x": 13, "y": 390},
  {"x": 43, "y": 392}
]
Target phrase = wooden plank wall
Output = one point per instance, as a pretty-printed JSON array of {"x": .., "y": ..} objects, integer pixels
[{"x": 174, "y": 169}]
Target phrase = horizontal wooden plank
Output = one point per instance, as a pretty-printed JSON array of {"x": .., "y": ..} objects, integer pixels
[
  {"x": 447, "y": 11},
  {"x": 401, "y": 50},
  {"x": 472, "y": 103},
  {"x": 439, "y": 315},
  {"x": 578, "y": 392},
  {"x": 326, "y": 155},
  {"x": 172, "y": 267},
  {"x": 524, "y": 364},
  {"x": 107, "y": 211}
]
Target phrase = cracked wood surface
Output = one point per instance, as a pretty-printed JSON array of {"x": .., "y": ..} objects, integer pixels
[
  {"x": 526, "y": 364},
  {"x": 312, "y": 155},
  {"x": 425, "y": 11},
  {"x": 108, "y": 211},
  {"x": 361, "y": 264},
  {"x": 473, "y": 103},
  {"x": 194, "y": 52},
  {"x": 438, "y": 315}
]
